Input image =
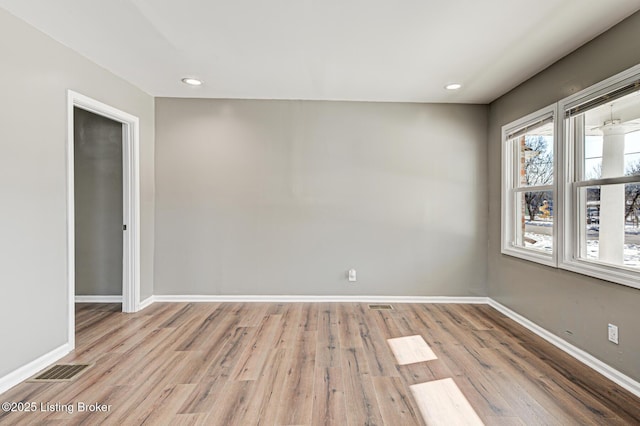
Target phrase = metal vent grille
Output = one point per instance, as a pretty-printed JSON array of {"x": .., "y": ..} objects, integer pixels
[
  {"x": 380, "y": 307},
  {"x": 61, "y": 373}
]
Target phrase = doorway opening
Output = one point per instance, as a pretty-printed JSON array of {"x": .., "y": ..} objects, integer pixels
[{"x": 82, "y": 109}]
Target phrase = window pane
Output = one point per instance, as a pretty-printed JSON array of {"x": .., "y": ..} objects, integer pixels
[
  {"x": 593, "y": 146},
  {"x": 592, "y": 157},
  {"x": 609, "y": 222},
  {"x": 535, "y": 154},
  {"x": 534, "y": 220},
  {"x": 611, "y": 144},
  {"x": 593, "y": 168},
  {"x": 632, "y": 153}
]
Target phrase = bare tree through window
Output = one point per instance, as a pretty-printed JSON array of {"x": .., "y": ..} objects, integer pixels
[{"x": 537, "y": 171}]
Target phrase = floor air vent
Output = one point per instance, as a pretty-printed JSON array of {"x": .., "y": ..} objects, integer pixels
[
  {"x": 380, "y": 307},
  {"x": 61, "y": 373}
]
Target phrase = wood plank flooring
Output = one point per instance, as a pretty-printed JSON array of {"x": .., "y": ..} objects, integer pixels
[
  {"x": 410, "y": 349},
  {"x": 442, "y": 403},
  {"x": 314, "y": 364}
]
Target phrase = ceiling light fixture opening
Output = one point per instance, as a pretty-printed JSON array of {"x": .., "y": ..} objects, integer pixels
[
  {"x": 453, "y": 86},
  {"x": 192, "y": 81}
]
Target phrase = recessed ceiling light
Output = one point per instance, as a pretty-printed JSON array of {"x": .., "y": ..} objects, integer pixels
[
  {"x": 453, "y": 86},
  {"x": 192, "y": 81}
]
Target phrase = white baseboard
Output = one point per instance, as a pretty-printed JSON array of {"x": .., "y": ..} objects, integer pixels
[
  {"x": 30, "y": 369},
  {"x": 146, "y": 302},
  {"x": 306, "y": 298},
  {"x": 98, "y": 299},
  {"x": 589, "y": 360}
]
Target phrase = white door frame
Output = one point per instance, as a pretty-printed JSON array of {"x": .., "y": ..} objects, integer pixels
[{"x": 131, "y": 203}]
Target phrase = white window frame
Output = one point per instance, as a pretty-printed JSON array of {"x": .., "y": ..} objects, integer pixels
[
  {"x": 510, "y": 186},
  {"x": 570, "y": 249}
]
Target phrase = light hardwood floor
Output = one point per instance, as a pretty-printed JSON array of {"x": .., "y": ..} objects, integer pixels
[{"x": 313, "y": 364}]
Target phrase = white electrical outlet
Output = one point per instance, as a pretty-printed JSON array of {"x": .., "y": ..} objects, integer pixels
[
  {"x": 352, "y": 275},
  {"x": 613, "y": 333}
]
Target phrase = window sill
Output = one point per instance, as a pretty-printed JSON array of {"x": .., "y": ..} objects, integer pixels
[
  {"x": 530, "y": 255},
  {"x": 622, "y": 276}
]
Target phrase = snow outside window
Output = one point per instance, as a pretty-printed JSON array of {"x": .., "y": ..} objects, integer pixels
[{"x": 529, "y": 188}]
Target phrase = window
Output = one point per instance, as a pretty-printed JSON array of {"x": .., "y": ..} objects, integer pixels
[
  {"x": 602, "y": 190},
  {"x": 573, "y": 201},
  {"x": 528, "y": 188}
]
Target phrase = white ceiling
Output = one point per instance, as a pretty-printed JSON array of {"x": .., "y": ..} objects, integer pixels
[{"x": 367, "y": 50}]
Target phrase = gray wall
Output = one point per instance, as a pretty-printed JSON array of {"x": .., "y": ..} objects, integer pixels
[
  {"x": 34, "y": 77},
  {"x": 98, "y": 204},
  {"x": 283, "y": 197},
  {"x": 555, "y": 299}
]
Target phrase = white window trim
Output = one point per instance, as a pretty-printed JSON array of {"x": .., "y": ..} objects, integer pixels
[
  {"x": 569, "y": 248},
  {"x": 509, "y": 183}
]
